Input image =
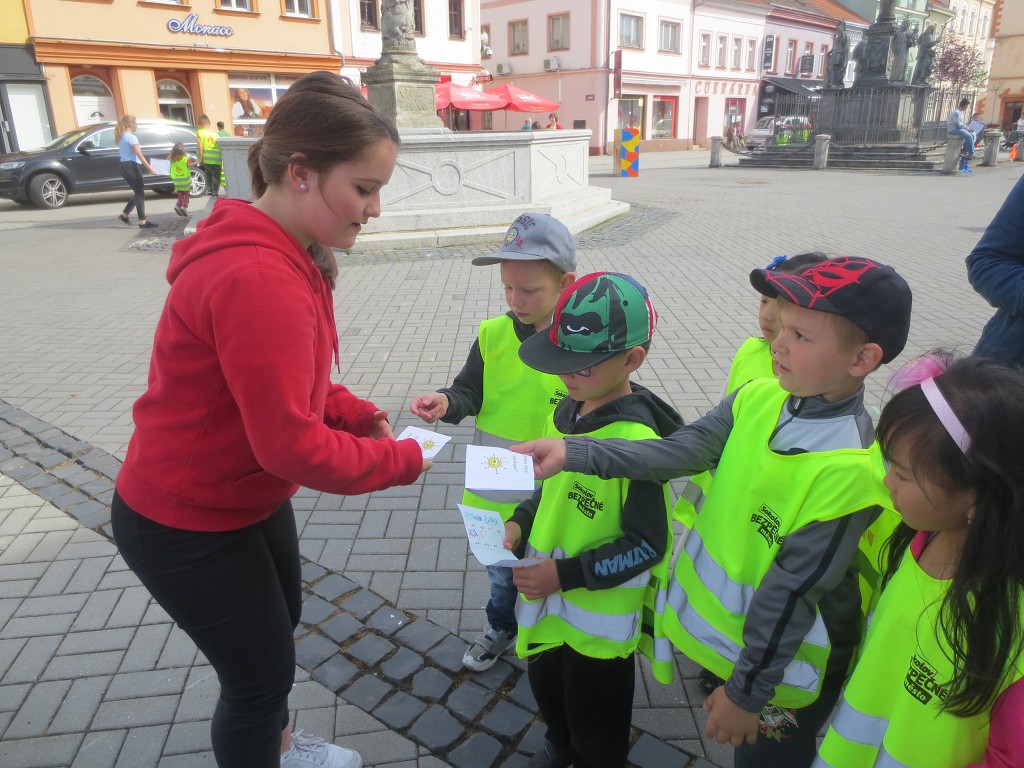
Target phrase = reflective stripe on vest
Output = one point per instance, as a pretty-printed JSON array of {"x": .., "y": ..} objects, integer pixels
[
  {"x": 741, "y": 529},
  {"x": 577, "y": 513},
  {"x": 211, "y": 147},
  {"x": 891, "y": 711}
]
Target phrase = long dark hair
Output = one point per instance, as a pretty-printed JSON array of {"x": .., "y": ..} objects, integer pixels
[
  {"x": 980, "y": 616},
  {"x": 321, "y": 121}
]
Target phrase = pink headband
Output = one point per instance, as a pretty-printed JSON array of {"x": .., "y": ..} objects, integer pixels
[{"x": 945, "y": 414}]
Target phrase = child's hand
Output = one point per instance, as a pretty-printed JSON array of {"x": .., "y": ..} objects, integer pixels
[
  {"x": 727, "y": 722},
  {"x": 427, "y": 464},
  {"x": 381, "y": 428},
  {"x": 536, "y": 582},
  {"x": 429, "y": 407},
  {"x": 548, "y": 456},
  {"x": 513, "y": 533}
]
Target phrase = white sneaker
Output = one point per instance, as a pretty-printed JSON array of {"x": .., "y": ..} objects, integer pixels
[
  {"x": 484, "y": 652},
  {"x": 313, "y": 752}
]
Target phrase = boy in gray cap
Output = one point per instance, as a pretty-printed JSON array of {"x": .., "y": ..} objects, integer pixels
[{"x": 511, "y": 401}]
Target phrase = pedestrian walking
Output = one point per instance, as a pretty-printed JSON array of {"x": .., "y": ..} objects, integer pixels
[{"x": 132, "y": 161}]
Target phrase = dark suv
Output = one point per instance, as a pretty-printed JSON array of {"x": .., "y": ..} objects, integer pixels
[{"x": 87, "y": 160}]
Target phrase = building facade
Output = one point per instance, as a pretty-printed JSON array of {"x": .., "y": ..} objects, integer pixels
[{"x": 1006, "y": 78}]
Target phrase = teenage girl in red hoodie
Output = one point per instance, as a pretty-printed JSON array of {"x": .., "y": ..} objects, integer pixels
[{"x": 240, "y": 411}]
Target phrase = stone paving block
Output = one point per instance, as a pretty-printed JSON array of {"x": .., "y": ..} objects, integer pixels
[
  {"x": 158, "y": 682},
  {"x": 387, "y": 621},
  {"x": 421, "y": 635},
  {"x": 80, "y": 704},
  {"x": 312, "y": 571},
  {"x": 399, "y": 667},
  {"x": 198, "y": 699},
  {"x": 43, "y": 752},
  {"x": 11, "y": 696},
  {"x": 335, "y": 673},
  {"x": 334, "y": 586},
  {"x": 495, "y": 676},
  {"x": 313, "y": 650},
  {"x": 178, "y": 651},
  {"x": 516, "y": 760},
  {"x": 362, "y": 603},
  {"x": 448, "y": 653},
  {"x": 38, "y": 625},
  {"x": 369, "y": 649},
  {"x": 384, "y": 748},
  {"x": 93, "y": 641},
  {"x": 478, "y": 751},
  {"x": 648, "y": 752},
  {"x": 506, "y": 720},
  {"x": 469, "y": 700},
  {"x": 41, "y": 606},
  {"x": 97, "y": 610},
  {"x": 145, "y": 647},
  {"x": 32, "y": 659},
  {"x": 533, "y": 739},
  {"x": 89, "y": 574},
  {"x": 522, "y": 694},
  {"x": 366, "y": 692},
  {"x": 342, "y": 627},
  {"x": 316, "y": 609},
  {"x": 431, "y": 684},
  {"x": 436, "y": 729},
  {"x": 37, "y": 711},
  {"x": 130, "y": 608},
  {"x": 399, "y": 710},
  {"x": 132, "y": 713},
  {"x": 82, "y": 665},
  {"x": 56, "y": 578},
  {"x": 187, "y": 738},
  {"x": 192, "y": 760},
  {"x": 99, "y": 750},
  {"x": 142, "y": 746}
]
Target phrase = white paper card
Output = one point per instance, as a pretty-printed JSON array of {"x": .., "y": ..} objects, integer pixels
[
  {"x": 486, "y": 535},
  {"x": 498, "y": 469},
  {"x": 162, "y": 167},
  {"x": 430, "y": 442}
]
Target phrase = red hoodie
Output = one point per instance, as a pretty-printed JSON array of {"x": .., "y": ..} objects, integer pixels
[{"x": 240, "y": 409}]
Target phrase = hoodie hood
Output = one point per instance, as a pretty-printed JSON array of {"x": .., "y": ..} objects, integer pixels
[
  {"x": 641, "y": 406},
  {"x": 237, "y": 224}
]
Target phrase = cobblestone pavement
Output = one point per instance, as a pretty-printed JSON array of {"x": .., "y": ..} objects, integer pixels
[{"x": 93, "y": 673}]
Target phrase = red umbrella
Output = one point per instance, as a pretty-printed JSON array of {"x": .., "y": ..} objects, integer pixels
[
  {"x": 464, "y": 97},
  {"x": 522, "y": 101}
]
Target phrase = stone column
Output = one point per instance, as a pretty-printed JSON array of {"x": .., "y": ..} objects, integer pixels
[
  {"x": 821, "y": 144},
  {"x": 399, "y": 82}
]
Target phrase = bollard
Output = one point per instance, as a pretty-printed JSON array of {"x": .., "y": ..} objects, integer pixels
[
  {"x": 716, "y": 152},
  {"x": 821, "y": 145},
  {"x": 992, "y": 139},
  {"x": 952, "y": 160}
]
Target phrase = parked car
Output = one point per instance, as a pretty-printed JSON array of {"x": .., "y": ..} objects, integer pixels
[
  {"x": 763, "y": 130},
  {"x": 779, "y": 130},
  {"x": 87, "y": 160}
]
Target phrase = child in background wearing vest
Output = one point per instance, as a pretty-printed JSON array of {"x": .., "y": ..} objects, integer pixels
[
  {"x": 210, "y": 155},
  {"x": 511, "y": 401},
  {"x": 180, "y": 163},
  {"x": 603, "y": 542},
  {"x": 938, "y": 680},
  {"x": 765, "y": 592}
]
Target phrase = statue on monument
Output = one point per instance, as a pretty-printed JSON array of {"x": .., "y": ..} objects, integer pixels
[
  {"x": 837, "y": 57},
  {"x": 903, "y": 40},
  {"x": 396, "y": 27},
  {"x": 926, "y": 46}
]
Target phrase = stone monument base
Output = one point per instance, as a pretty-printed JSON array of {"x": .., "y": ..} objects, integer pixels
[{"x": 890, "y": 115}]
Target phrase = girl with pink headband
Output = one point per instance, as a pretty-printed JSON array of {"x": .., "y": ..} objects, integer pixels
[{"x": 939, "y": 682}]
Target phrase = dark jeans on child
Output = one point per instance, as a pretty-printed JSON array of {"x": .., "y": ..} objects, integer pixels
[
  {"x": 787, "y": 738},
  {"x": 212, "y": 177},
  {"x": 132, "y": 173},
  {"x": 586, "y": 703},
  {"x": 238, "y": 595},
  {"x": 501, "y": 606}
]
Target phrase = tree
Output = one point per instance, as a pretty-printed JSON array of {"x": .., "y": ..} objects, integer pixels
[{"x": 959, "y": 64}]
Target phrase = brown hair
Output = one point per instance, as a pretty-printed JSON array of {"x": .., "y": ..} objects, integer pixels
[
  {"x": 123, "y": 126},
  {"x": 321, "y": 121}
]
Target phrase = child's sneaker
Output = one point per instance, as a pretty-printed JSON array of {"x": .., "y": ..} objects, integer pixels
[
  {"x": 313, "y": 752},
  {"x": 487, "y": 648}
]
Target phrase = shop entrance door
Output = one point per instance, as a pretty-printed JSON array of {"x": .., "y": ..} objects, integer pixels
[{"x": 700, "y": 121}]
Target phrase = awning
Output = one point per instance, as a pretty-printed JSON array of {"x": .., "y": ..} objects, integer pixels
[
  {"x": 464, "y": 97},
  {"x": 797, "y": 86},
  {"x": 523, "y": 101}
]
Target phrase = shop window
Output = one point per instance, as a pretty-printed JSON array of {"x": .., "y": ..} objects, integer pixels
[
  {"x": 94, "y": 102},
  {"x": 301, "y": 8},
  {"x": 236, "y": 5},
  {"x": 558, "y": 32},
  {"x": 368, "y": 18},
  {"x": 456, "y": 28},
  {"x": 664, "y": 117},
  {"x": 252, "y": 100},
  {"x": 631, "y": 31},
  {"x": 668, "y": 40},
  {"x": 417, "y": 17},
  {"x": 631, "y": 112},
  {"x": 519, "y": 35}
]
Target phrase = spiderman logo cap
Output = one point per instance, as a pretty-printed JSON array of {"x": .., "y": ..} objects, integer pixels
[{"x": 871, "y": 295}]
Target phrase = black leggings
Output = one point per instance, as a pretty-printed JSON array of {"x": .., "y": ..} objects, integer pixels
[
  {"x": 586, "y": 703},
  {"x": 238, "y": 595},
  {"x": 132, "y": 173}
]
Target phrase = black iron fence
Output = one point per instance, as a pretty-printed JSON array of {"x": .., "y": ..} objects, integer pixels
[{"x": 900, "y": 115}]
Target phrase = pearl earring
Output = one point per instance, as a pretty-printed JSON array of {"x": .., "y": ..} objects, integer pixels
[{"x": 302, "y": 187}]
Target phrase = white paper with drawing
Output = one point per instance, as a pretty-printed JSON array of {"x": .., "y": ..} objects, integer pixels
[
  {"x": 486, "y": 534},
  {"x": 498, "y": 469},
  {"x": 430, "y": 442}
]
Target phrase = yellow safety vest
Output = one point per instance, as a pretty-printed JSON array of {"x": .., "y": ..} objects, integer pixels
[
  {"x": 760, "y": 497},
  {"x": 753, "y": 360},
  {"x": 890, "y": 711},
  {"x": 517, "y": 405},
  {"x": 180, "y": 176},
  {"x": 211, "y": 148},
  {"x": 579, "y": 512}
]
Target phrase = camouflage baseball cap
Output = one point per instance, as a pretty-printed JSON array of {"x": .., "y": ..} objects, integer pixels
[{"x": 601, "y": 315}]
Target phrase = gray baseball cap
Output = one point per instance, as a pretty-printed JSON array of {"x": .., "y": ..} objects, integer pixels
[{"x": 536, "y": 237}]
